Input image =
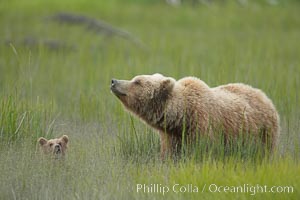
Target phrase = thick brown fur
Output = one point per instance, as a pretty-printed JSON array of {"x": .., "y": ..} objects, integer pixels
[
  {"x": 189, "y": 105},
  {"x": 56, "y": 147}
]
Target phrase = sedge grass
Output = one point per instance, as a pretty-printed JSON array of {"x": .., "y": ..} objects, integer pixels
[{"x": 46, "y": 92}]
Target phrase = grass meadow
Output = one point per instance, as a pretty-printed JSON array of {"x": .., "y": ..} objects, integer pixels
[{"x": 55, "y": 79}]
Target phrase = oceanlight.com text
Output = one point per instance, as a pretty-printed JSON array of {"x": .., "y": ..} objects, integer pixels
[{"x": 248, "y": 188}]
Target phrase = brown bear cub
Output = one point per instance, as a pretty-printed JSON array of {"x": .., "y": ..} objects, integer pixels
[
  {"x": 56, "y": 147},
  {"x": 189, "y": 107}
]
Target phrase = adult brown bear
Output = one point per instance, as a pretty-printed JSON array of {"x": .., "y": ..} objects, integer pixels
[{"x": 189, "y": 105}]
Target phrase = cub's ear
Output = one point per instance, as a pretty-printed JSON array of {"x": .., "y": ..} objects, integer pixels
[
  {"x": 42, "y": 141},
  {"x": 168, "y": 84},
  {"x": 65, "y": 138}
]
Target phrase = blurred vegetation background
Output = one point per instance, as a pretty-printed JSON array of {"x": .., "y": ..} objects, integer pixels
[{"x": 56, "y": 62}]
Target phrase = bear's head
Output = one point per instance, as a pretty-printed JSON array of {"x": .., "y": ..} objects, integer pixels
[
  {"x": 56, "y": 147},
  {"x": 144, "y": 93}
]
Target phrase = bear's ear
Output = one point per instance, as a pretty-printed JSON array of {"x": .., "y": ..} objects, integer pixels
[
  {"x": 65, "y": 138},
  {"x": 42, "y": 141},
  {"x": 168, "y": 84}
]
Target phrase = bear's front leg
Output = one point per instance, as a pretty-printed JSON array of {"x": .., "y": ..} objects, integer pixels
[
  {"x": 165, "y": 145},
  {"x": 170, "y": 146}
]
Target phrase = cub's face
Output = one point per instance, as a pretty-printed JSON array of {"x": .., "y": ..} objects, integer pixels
[
  {"x": 56, "y": 147},
  {"x": 142, "y": 91}
]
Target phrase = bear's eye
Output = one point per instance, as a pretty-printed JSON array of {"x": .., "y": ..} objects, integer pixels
[
  {"x": 59, "y": 143},
  {"x": 137, "y": 82},
  {"x": 51, "y": 144}
]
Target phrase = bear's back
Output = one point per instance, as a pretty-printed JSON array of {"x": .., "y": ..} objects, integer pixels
[{"x": 252, "y": 96}]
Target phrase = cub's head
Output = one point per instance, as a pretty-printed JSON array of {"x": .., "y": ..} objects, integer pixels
[
  {"x": 144, "y": 93},
  {"x": 56, "y": 147}
]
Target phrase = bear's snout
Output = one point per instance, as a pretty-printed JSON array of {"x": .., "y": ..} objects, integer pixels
[
  {"x": 113, "y": 82},
  {"x": 117, "y": 88},
  {"x": 57, "y": 149}
]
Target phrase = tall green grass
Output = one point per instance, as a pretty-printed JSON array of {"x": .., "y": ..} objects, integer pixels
[
  {"x": 49, "y": 92},
  {"x": 22, "y": 120}
]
